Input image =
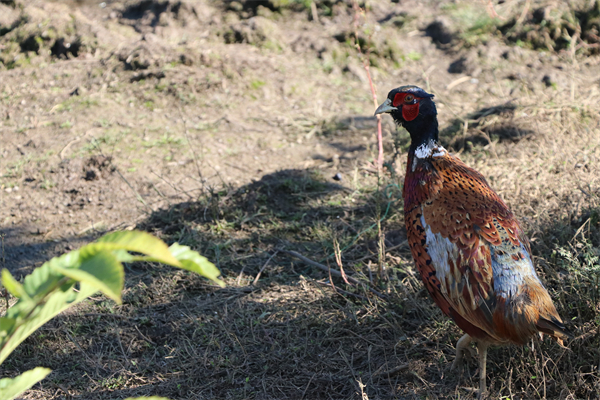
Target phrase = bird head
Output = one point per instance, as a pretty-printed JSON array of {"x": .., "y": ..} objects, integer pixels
[{"x": 407, "y": 104}]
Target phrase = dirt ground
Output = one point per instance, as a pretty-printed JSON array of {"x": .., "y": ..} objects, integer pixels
[{"x": 244, "y": 129}]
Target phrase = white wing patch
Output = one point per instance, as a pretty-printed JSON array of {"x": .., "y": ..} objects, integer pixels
[
  {"x": 440, "y": 250},
  {"x": 509, "y": 275},
  {"x": 452, "y": 283}
]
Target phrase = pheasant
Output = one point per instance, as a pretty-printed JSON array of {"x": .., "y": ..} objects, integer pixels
[{"x": 469, "y": 249}]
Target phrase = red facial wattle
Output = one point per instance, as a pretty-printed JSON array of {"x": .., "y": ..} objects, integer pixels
[{"x": 410, "y": 109}]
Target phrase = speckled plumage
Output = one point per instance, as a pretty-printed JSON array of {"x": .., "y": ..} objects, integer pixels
[
  {"x": 468, "y": 247},
  {"x": 472, "y": 254}
]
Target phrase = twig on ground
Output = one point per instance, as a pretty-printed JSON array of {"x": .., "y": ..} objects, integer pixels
[
  {"x": 393, "y": 371},
  {"x": 239, "y": 278},
  {"x": 144, "y": 336},
  {"x": 489, "y": 139},
  {"x": 135, "y": 192},
  {"x": 61, "y": 387},
  {"x": 178, "y": 190},
  {"x": 458, "y": 81},
  {"x": 64, "y": 149},
  {"x": 263, "y": 267},
  {"x": 333, "y": 272},
  {"x": 386, "y": 250},
  {"x": 318, "y": 265},
  {"x": 331, "y": 281},
  {"x": 362, "y": 387},
  {"x": 338, "y": 260},
  {"x": 313, "y": 376},
  {"x": 342, "y": 291}
]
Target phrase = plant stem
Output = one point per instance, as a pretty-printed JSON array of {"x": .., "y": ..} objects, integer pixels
[{"x": 365, "y": 61}]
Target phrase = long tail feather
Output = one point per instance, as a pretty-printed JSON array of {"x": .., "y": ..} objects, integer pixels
[{"x": 555, "y": 328}]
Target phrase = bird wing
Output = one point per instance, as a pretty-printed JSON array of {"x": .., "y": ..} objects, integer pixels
[{"x": 469, "y": 249}]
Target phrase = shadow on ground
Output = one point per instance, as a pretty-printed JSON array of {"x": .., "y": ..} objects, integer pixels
[
  {"x": 23, "y": 248},
  {"x": 290, "y": 335},
  {"x": 298, "y": 210},
  {"x": 489, "y": 124}
]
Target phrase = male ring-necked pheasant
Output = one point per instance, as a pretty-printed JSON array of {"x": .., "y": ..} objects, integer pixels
[{"x": 470, "y": 251}]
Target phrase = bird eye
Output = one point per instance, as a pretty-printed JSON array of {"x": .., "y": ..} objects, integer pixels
[{"x": 409, "y": 98}]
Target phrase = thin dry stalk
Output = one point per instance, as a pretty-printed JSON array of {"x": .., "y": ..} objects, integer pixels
[
  {"x": 332, "y": 271},
  {"x": 313, "y": 11},
  {"x": 338, "y": 259},
  {"x": 397, "y": 246},
  {"x": 362, "y": 387},
  {"x": 117, "y": 170},
  {"x": 492, "y": 11},
  {"x": 338, "y": 290},
  {"x": 331, "y": 280},
  {"x": 365, "y": 61},
  {"x": 393, "y": 371},
  {"x": 264, "y": 266},
  {"x": 4, "y": 292},
  {"x": 187, "y": 137}
]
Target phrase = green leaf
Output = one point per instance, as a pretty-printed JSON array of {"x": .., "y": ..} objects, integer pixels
[
  {"x": 13, "y": 286},
  {"x": 55, "y": 303},
  {"x": 192, "y": 261},
  {"x": 6, "y": 325},
  {"x": 123, "y": 256},
  {"x": 102, "y": 271},
  {"x": 12, "y": 387},
  {"x": 140, "y": 242},
  {"x": 40, "y": 283},
  {"x": 49, "y": 289},
  {"x": 43, "y": 279}
]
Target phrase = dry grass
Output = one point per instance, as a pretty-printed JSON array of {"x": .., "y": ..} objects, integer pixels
[{"x": 293, "y": 333}]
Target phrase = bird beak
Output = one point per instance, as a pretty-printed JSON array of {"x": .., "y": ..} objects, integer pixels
[{"x": 385, "y": 107}]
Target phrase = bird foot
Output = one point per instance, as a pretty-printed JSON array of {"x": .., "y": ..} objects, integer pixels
[
  {"x": 458, "y": 362},
  {"x": 472, "y": 352},
  {"x": 476, "y": 391},
  {"x": 482, "y": 395}
]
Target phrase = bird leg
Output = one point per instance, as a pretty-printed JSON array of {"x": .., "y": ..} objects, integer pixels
[
  {"x": 461, "y": 346},
  {"x": 482, "y": 348}
]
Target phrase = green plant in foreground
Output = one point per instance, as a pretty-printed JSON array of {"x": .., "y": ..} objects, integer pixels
[{"x": 71, "y": 278}]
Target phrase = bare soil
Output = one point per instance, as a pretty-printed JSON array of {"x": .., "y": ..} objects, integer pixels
[{"x": 222, "y": 124}]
